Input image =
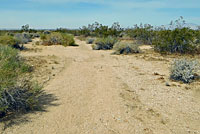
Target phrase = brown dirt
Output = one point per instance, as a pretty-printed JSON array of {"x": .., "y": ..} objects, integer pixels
[{"x": 100, "y": 93}]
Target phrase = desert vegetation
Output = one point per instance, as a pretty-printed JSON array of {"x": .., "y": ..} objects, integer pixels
[
  {"x": 176, "y": 49},
  {"x": 106, "y": 43},
  {"x": 90, "y": 40},
  {"x": 185, "y": 70},
  {"x": 174, "y": 39},
  {"x": 8, "y": 40},
  {"x": 126, "y": 48},
  {"x": 56, "y": 38},
  {"x": 17, "y": 92},
  {"x": 17, "y": 38}
]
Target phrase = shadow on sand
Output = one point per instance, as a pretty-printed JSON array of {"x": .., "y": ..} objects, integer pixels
[{"x": 45, "y": 100}]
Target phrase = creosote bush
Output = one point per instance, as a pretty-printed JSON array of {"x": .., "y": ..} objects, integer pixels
[
  {"x": 99, "y": 30},
  {"x": 143, "y": 33},
  {"x": 175, "y": 41},
  {"x": 58, "y": 39},
  {"x": 104, "y": 43},
  {"x": 185, "y": 70},
  {"x": 17, "y": 92},
  {"x": 126, "y": 48}
]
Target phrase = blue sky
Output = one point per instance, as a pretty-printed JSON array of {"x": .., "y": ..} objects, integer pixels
[{"x": 76, "y": 13}]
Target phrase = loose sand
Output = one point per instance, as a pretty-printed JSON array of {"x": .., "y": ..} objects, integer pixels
[{"x": 98, "y": 93}]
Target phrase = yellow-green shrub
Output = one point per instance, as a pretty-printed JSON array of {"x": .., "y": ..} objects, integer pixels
[
  {"x": 58, "y": 39},
  {"x": 104, "y": 43},
  {"x": 126, "y": 48},
  {"x": 8, "y": 40},
  {"x": 17, "y": 93}
]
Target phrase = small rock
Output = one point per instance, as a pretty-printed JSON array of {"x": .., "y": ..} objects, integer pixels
[
  {"x": 155, "y": 73},
  {"x": 167, "y": 84}
]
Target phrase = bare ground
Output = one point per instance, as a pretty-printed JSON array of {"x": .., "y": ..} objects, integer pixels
[{"x": 100, "y": 93}]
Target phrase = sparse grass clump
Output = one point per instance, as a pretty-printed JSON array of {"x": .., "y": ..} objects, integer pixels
[
  {"x": 126, "y": 48},
  {"x": 105, "y": 43},
  {"x": 185, "y": 70},
  {"x": 58, "y": 39},
  {"x": 17, "y": 93}
]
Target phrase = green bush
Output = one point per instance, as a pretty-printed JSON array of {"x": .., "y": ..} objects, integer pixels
[
  {"x": 68, "y": 40},
  {"x": 143, "y": 33},
  {"x": 99, "y": 30},
  {"x": 58, "y": 39},
  {"x": 104, "y": 43},
  {"x": 8, "y": 40},
  {"x": 185, "y": 70},
  {"x": 2, "y": 33},
  {"x": 43, "y": 37},
  {"x": 175, "y": 41},
  {"x": 126, "y": 48},
  {"x": 12, "y": 41},
  {"x": 16, "y": 92}
]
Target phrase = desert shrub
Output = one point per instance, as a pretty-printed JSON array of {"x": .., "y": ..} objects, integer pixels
[
  {"x": 34, "y": 35},
  {"x": 184, "y": 70},
  {"x": 126, "y": 48},
  {"x": 104, "y": 43},
  {"x": 90, "y": 41},
  {"x": 68, "y": 40},
  {"x": 10, "y": 41},
  {"x": 10, "y": 33},
  {"x": 25, "y": 28},
  {"x": 16, "y": 93},
  {"x": 37, "y": 43},
  {"x": 58, "y": 39},
  {"x": 143, "y": 33},
  {"x": 175, "y": 41},
  {"x": 23, "y": 38},
  {"x": 46, "y": 32},
  {"x": 99, "y": 30},
  {"x": 2, "y": 33},
  {"x": 43, "y": 37}
]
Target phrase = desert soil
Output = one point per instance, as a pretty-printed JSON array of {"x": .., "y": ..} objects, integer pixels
[{"x": 95, "y": 92}]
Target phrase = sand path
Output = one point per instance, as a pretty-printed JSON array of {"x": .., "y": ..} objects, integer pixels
[{"x": 100, "y": 93}]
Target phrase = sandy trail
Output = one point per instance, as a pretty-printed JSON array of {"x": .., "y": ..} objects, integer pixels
[{"x": 99, "y": 93}]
